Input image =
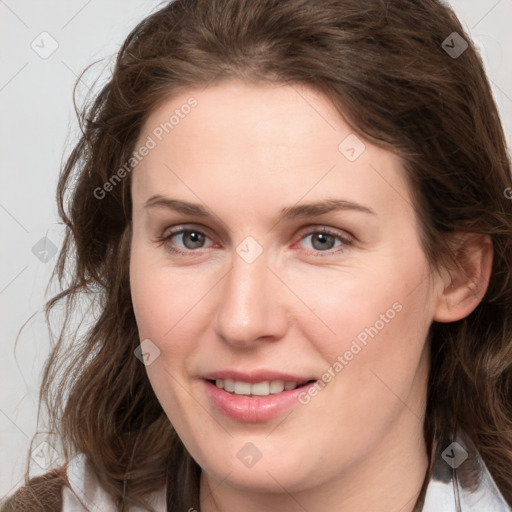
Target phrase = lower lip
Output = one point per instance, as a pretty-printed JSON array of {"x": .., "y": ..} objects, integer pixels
[{"x": 253, "y": 409}]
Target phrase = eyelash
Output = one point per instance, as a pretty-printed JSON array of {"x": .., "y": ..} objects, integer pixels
[{"x": 165, "y": 238}]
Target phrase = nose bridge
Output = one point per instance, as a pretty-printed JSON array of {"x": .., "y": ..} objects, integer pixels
[{"x": 249, "y": 307}]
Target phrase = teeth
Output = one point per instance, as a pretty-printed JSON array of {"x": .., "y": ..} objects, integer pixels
[
  {"x": 276, "y": 386},
  {"x": 259, "y": 388},
  {"x": 229, "y": 385},
  {"x": 242, "y": 388}
]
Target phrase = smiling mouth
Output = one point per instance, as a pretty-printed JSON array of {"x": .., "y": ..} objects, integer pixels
[{"x": 258, "y": 389}]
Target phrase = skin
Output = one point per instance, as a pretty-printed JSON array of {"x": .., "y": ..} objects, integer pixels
[{"x": 244, "y": 153}]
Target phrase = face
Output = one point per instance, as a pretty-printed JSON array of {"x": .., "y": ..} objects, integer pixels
[{"x": 271, "y": 244}]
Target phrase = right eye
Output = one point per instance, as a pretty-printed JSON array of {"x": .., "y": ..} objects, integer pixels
[{"x": 191, "y": 239}]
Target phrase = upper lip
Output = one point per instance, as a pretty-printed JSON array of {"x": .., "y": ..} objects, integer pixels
[{"x": 256, "y": 376}]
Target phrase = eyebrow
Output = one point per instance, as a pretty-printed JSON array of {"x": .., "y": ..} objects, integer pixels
[{"x": 312, "y": 209}]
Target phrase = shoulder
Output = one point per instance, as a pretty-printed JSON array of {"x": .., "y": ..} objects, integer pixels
[
  {"x": 42, "y": 493},
  {"x": 72, "y": 487}
]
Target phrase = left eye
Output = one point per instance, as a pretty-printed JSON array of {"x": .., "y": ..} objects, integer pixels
[{"x": 322, "y": 240}]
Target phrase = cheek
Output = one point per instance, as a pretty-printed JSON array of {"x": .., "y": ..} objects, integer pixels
[
  {"x": 168, "y": 304},
  {"x": 370, "y": 325},
  {"x": 153, "y": 297},
  {"x": 150, "y": 302},
  {"x": 383, "y": 360},
  {"x": 347, "y": 305},
  {"x": 162, "y": 308}
]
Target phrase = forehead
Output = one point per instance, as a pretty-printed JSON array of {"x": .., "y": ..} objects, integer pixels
[
  {"x": 248, "y": 141},
  {"x": 238, "y": 114}
]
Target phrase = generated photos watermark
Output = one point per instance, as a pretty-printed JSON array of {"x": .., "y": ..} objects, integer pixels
[{"x": 357, "y": 345}]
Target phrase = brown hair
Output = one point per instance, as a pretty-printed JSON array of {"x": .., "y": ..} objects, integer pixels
[{"x": 383, "y": 66}]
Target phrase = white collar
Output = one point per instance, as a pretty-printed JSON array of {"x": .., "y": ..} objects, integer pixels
[
  {"x": 460, "y": 480},
  {"x": 87, "y": 495}
]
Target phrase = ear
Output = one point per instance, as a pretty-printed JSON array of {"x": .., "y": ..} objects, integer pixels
[{"x": 465, "y": 283}]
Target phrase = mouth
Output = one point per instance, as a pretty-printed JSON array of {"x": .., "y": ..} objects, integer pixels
[
  {"x": 254, "y": 402},
  {"x": 259, "y": 389}
]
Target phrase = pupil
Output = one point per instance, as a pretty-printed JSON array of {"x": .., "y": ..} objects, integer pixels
[{"x": 197, "y": 239}]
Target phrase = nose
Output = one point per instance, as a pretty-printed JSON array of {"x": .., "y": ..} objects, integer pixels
[{"x": 252, "y": 304}]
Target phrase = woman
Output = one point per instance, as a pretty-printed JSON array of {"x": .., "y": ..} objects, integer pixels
[{"x": 293, "y": 216}]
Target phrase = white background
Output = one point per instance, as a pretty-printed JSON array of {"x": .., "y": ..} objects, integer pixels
[{"x": 38, "y": 129}]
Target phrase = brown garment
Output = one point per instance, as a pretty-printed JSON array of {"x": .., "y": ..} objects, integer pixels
[{"x": 42, "y": 494}]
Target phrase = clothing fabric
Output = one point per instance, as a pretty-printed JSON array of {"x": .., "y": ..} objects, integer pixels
[
  {"x": 87, "y": 495},
  {"x": 459, "y": 482}
]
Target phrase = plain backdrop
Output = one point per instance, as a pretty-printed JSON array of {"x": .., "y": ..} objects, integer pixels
[{"x": 44, "y": 45}]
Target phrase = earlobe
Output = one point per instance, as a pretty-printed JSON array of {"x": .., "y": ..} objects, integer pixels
[{"x": 466, "y": 283}]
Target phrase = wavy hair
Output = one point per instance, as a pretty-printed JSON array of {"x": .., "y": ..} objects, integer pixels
[{"x": 383, "y": 66}]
